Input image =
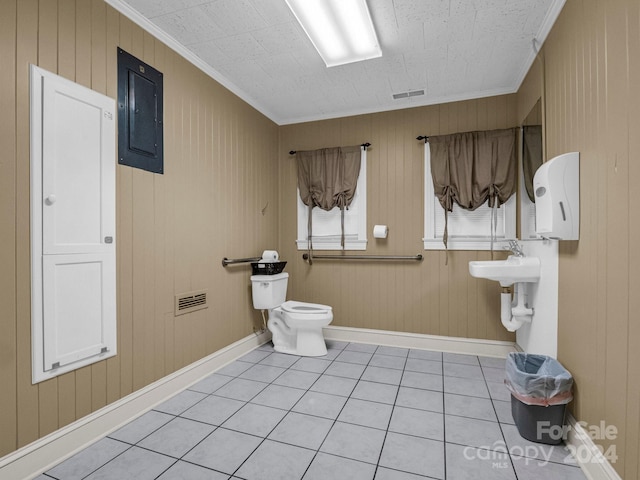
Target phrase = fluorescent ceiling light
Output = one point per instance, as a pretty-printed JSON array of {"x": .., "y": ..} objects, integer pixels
[{"x": 341, "y": 30}]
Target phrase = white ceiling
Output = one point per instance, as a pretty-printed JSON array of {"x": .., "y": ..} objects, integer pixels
[{"x": 451, "y": 49}]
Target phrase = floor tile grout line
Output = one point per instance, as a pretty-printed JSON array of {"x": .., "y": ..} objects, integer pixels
[
  {"x": 203, "y": 466},
  {"x": 109, "y": 461},
  {"x": 164, "y": 454},
  {"x": 393, "y": 408},
  {"x": 246, "y": 402},
  {"x": 147, "y": 435},
  {"x": 130, "y": 446},
  {"x": 350, "y": 396},
  {"x": 426, "y": 477},
  {"x": 510, "y": 455},
  {"x": 336, "y": 419},
  {"x": 513, "y": 467},
  {"x": 318, "y": 451},
  {"x": 276, "y": 426}
]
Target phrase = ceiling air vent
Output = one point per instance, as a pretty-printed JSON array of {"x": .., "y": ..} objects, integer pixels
[
  {"x": 412, "y": 93},
  {"x": 190, "y": 302}
]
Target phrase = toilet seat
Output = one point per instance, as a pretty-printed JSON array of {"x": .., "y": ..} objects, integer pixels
[
  {"x": 304, "y": 308},
  {"x": 297, "y": 328}
]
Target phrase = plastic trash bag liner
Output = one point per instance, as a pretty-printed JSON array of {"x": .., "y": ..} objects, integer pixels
[{"x": 538, "y": 379}]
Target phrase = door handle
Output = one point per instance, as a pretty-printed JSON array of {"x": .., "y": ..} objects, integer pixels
[{"x": 50, "y": 200}]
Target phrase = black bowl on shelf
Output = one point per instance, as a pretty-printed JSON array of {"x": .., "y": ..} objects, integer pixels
[{"x": 272, "y": 268}]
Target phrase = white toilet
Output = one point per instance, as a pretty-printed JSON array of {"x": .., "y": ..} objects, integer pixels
[{"x": 296, "y": 327}]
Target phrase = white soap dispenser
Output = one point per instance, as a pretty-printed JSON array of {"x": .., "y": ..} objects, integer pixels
[{"x": 557, "y": 189}]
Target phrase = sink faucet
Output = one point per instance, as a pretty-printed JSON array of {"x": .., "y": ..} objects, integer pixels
[{"x": 515, "y": 248}]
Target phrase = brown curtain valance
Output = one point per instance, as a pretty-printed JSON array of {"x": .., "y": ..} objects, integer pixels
[
  {"x": 472, "y": 168},
  {"x": 531, "y": 155},
  {"x": 327, "y": 178}
]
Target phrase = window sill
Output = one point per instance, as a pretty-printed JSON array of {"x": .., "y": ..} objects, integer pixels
[{"x": 465, "y": 244}]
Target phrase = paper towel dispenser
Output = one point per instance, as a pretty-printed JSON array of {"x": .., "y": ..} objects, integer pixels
[{"x": 557, "y": 192}]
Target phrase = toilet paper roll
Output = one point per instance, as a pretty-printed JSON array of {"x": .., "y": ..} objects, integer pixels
[
  {"x": 270, "y": 256},
  {"x": 380, "y": 231}
]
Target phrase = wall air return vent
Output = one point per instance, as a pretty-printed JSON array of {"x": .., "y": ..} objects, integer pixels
[
  {"x": 412, "y": 93},
  {"x": 190, "y": 302}
]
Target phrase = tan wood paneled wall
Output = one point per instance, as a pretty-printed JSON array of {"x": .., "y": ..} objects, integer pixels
[
  {"x": 428, "y": 297},
  {"x": 592, "y": 104},
  {"x": 172, "y": 230}
]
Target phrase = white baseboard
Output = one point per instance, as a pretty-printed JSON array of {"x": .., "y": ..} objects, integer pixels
[
  {"x": 468, "y": 346},
  {"x": 41, "y": 455},
  {"x": 591, "y": 460}
]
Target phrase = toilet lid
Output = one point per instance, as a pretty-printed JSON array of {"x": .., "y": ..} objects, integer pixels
[{"x": 302, "y": 307}]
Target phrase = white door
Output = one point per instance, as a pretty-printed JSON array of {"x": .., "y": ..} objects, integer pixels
[
  {"x": 78, "y": 169},
  {"x": 73, "y": 225},
  {"x": 77, "y": 307}
]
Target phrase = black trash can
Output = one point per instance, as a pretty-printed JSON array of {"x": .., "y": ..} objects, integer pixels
[{"x": 540, "y": 391}]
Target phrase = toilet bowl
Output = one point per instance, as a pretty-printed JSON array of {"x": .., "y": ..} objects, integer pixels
[{"x": 296, "y": 327}]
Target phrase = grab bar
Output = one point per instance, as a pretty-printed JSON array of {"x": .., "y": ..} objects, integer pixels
[
  {"x": 418, "y": 257},
  {"x": 228, "y": 261}
]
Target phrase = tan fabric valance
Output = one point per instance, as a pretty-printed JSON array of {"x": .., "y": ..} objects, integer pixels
[
  {"x": 327, "y": 178},
  {"x": 472, "y": 168}
]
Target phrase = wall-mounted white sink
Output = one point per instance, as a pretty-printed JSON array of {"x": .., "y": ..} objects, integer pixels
[{"x": 512, "y": 270}]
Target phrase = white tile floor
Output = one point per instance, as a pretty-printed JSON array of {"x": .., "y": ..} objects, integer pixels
[{"x": 362, "y": 412}]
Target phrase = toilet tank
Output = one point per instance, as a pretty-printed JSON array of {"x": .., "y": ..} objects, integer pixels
[{"x": 269, "y": 291}]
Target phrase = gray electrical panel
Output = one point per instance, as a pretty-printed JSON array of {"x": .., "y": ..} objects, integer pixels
[{"x": 140, "y": 139}]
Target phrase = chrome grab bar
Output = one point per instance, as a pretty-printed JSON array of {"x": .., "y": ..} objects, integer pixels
[
  {"x": 418, "y": 257},
  {"x": 229, "y": 261}
]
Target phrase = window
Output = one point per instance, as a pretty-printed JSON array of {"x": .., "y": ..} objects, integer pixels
[
  {"x": 467, "y": 230},
  {"x": 326, "y": 225}
]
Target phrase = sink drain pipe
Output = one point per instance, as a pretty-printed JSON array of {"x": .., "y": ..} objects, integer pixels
[{"x": 514, "y": 313}]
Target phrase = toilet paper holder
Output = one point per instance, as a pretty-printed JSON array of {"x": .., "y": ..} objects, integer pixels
[{"x": 380, "y": 231}]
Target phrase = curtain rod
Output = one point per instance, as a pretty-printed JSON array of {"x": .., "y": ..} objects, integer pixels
[
  {"x": 364, "y": 145},
  {"x": 426, "y": 138}
]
